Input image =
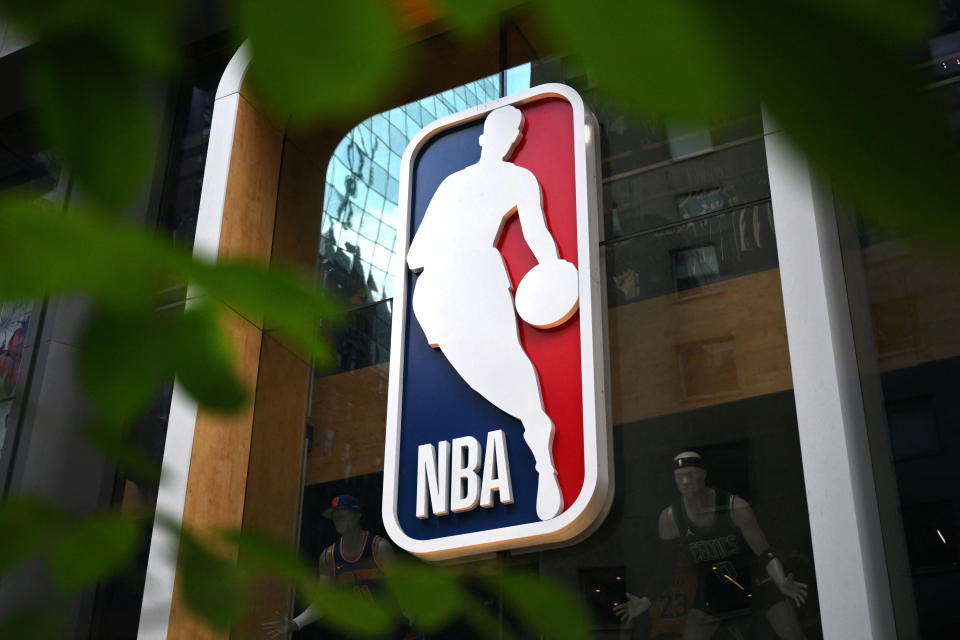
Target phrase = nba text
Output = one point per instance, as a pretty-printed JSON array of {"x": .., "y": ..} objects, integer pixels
[{"x": 450, "y": 477}]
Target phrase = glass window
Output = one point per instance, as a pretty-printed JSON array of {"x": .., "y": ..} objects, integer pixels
[
  {"x": 905, "y": 301},
  {"x": 909, "y": 351},
  {"x": 698, "y": 363}
]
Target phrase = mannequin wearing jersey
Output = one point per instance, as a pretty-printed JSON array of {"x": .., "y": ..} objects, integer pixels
[
  {"x": 736, "y": 569},
  {"x": 356, "y": 558}
]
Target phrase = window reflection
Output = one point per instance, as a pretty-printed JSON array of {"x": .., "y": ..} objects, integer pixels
[
  {"x": 699, "y": 363},
  {"x": 909, "y": 346},
  {"x": 359, "y": 225},
  {"x": 686, "y": 258},
  {"x": 698, "y": 357}
]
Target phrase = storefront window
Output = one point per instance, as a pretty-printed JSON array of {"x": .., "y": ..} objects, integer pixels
[
  {"x": 699, "y": 372},
  {"x": 905, "y": 303},
  {"x": 909, "y": 354},
  {"x": 698, "y": 362},
  {"x": 23, "y": 166}
]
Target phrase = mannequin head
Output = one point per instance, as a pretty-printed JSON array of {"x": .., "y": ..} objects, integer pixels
[
  {"x": 501, "y": 132},
  {"x": 345, "y": 512},
  {"x": 689, "y": 473},
  {"x": 346, "y": 520}
]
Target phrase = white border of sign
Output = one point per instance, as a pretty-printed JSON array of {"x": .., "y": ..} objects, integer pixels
[{"x": 591, "y": 506}]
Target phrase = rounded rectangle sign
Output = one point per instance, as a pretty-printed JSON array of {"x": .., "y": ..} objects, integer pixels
[{"x": 497, "y": 430}]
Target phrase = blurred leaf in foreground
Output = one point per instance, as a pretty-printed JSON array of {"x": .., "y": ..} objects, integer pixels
[
  {"x": 430, "y": 595},
  {"x": 114, "y": 442},
  {"x": 849, "y": 97},
  {"x": 262, "y": 552},
  {"x": 901, "y": 20},
  {"x": 653, "y": 57},
  {"x": 214, "y": 588},
  {"x": 347, "y": 610},
  {"x": 836, "y": 76},
  {"x": 92, "y": 109},
  {"x": 312, "y": 59},
  {"x": 33, "y": 623},
  {"x": 473, "y": 19},
  {"x": 48, "y": 252},
  {"x": 546, "y": 608},
  {"x": 289, "y": 303},
  {"x": 93, "y": 549},
  {"x": 26, "y": 526},
  {"x": 142, "y": 31},
  {"x": 129, "y": 348},
  {"x": 87, "y": 79},
  {"x": 124, "y": 356}
]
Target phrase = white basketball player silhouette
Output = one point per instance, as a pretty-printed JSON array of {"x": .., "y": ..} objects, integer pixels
[{"x": 462, "y": 298}]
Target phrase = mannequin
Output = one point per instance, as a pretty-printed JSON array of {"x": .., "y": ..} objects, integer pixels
[
  {"x": 357, "y": 558},
  {"x": 720, "y": 534}
]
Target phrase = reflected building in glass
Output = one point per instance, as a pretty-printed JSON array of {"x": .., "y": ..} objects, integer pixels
[
  {"x": 712, "y": 345},
  {"x": 359, "y": 225}
]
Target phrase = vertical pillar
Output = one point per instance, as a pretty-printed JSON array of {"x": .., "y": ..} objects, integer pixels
[{"x": 852, "y": 580}]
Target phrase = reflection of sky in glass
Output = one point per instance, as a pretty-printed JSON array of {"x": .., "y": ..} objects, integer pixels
[
  {"x": 518, "y": 78},
  {"x": 359, "y": 225}
]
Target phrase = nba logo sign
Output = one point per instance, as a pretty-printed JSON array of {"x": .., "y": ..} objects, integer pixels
[{"x": 497, "y": 435}]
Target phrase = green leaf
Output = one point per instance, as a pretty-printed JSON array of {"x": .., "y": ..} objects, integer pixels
[
  {"x": 121, "y": 360},
  {"x": 429, "y": 594},
  {"x": 544, "y": 607},
  {"x": 267, "y": 554},
  {"x": 93, "y": 549},
  {"x": 124, "y": 356},
  {"x": 215, "y": 589},
  {"x": 291, "y": 303},
  {"x": 143, "y": 32},
  {"x": 851, "y": 101},
  {"x": 652, "y": 56},
  {"x": 485, "y": 622},
  {"x": 26, "y": 525},
  {"x": 474, "y": 18},
  {"x": 34, "y": 623},
  {"x": 347, "y": 610},
  {"x": 204, "y": 361},
  {"x": 128, "y": 348},
  {"x": 902, "y": 20},
  {"x": 116, "y": 444},
  {"x": 321, "y": 58},
  {"x": 46, "y": 252},
  {"x": 94, "y": 113}
]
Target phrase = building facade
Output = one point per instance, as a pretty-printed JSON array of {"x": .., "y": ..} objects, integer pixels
[{"x": 751, "y": 317}]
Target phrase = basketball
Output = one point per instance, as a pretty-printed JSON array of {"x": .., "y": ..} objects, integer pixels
[{"x": 548, "y": 294}]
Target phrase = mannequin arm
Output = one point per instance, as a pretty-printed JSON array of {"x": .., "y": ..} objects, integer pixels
[
  {"x": 744, "y": 518},
  {"x": 282, "y": 625},
  {"x": 635, "y": 606}
]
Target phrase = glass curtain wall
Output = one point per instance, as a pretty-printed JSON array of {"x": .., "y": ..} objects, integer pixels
[
  {"x": 116, "y": 609},
  {"x": 905, "y": 296},
  {"x": 698, "y": 363}
]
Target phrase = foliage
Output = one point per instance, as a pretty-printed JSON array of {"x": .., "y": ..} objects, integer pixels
[{"x": 835, "y": 74}]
